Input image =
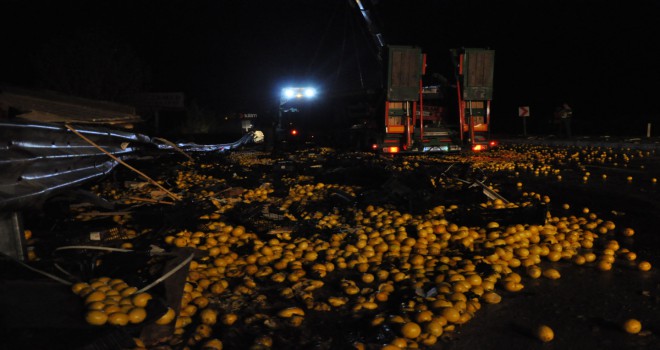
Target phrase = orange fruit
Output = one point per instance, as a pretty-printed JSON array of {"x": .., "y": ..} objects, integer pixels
[
  {"x": 77, "y": 287},
  {"x": 110, "y": 309},
  {"x": 491, "y": 297},
  {"x": 367, "y": 278},
  {"x": 201, "y": 302},
  {"x": 137, "y": 315},
  {"x": 424, "y": 316},
  {"x": 213, "y": 344},
  {"x": 512, "y": 286},
  {"x": 120, "y": 286},
  {"x": 238, "y": 231},
  {"x": 604, "y": 265},
  {"x": 400, "y": 343},
  {"x": 411, "y": 330},
  {"x": 229, "y": 319},
  {"x": 534, "y": 271},
  {"x": 644, "y": 266},
  {"x": 180, "y": 242},
  {"x": 544, "y": 333},
  {"x": 115, "y": 281},
  {"x": 632, "y": 326},
  {"x": 167, "y": 317},
  {"x": 98, "y": 284},
  {"x": 94, "y": 296},
  {"x": 628, "y": 232},
  {"x": 125, "y": 301},
  {"x": 141, "y": 299},
  {"x": 128, "y": 291},
  {"x": 96, "y": 305},
  {"x": 451, "y": 314},
  {"x": 209, "y": 316},
  {"x": 434, "y": 327},
  {"x": 118, "y": 319},
  {"x": 551, "y": 273},
  {"x": 96, "y": 317}
]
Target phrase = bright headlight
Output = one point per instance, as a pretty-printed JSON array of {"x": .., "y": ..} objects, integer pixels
[
  {"x": 310, "y": 92},
  {"x": 288, "y": 92}
]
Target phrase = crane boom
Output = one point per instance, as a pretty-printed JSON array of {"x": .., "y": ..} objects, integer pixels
[{"x": 377, "y": 36}]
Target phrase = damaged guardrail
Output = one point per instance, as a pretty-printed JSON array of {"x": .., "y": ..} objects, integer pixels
[{"x": 40, "y": 160}]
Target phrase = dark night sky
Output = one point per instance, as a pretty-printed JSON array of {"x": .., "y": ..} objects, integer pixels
[{"x": 225, "y": 55}]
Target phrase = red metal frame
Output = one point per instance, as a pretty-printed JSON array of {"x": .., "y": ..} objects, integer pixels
[
  {"x": 408, "y": 127},
  {"x": 467, "y": 122}
]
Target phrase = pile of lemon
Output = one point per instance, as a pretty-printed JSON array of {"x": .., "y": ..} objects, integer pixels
[
  {"x": 423, "y": 263},
  {"x": 112, "y": 301}
]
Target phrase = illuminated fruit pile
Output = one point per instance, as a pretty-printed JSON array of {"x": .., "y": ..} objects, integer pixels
[
  {"x": 112, "y": 301},
  {"x": 409, "y": 278}
]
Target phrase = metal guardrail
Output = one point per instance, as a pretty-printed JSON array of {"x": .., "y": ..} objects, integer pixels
[{"x": 39, "y": 161}]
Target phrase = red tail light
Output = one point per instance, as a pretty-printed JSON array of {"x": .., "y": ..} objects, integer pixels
[
  {"x": 294, "y": 132},
  {"x": 477, "y": 148},
  {"x": 493, "y": 143}
]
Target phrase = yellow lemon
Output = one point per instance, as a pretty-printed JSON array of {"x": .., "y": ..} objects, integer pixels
[
  {"x": 545, "y": 333},
  {"x": 96, "y": 317},
  {"x": 411, "y": 330},
  {"x": 632, "y": 326}
]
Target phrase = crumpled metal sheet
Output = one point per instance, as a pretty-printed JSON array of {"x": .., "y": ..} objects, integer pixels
[{"x": 38, "y": 160}]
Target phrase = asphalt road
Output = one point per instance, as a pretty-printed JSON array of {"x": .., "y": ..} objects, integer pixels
[{"x": 586, "y": 307}]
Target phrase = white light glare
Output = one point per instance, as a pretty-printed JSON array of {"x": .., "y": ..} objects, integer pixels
[
  {"x": 288, "y": 92},
  {"x": 310, "y": 92}
]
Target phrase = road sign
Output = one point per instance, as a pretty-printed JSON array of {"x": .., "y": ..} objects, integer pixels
[{"x": 523, "y": 111}]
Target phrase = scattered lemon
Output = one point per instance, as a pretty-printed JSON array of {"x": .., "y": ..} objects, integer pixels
[
  {"x": 435, "y": 327},
  {"x": 491, "y": 297},
  {"x": 644, "y": 266},
  {"x": 212, "y": 344},
  {"x": 411, "y": 330},
  {"x": 137, "y": 315},
  {"x": 96, "y": 317},
  {"x": 551, "y": 273},
  {"x": 229, "y": 319},
  {"x": 209, "y": 316},
  {"x": 632, "y": 326},
  {"x": 604, "y": 265},
  {"x": 451, "y": 314},
  {"x": 77, "y": 287},
  {"x": 118, "y": 319},
  {"x": 545, "y": 333},
  {"x": 167, "y": 317},
  {"x": 141, "y": 300},
  {"x": 94, "y": 296}
]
